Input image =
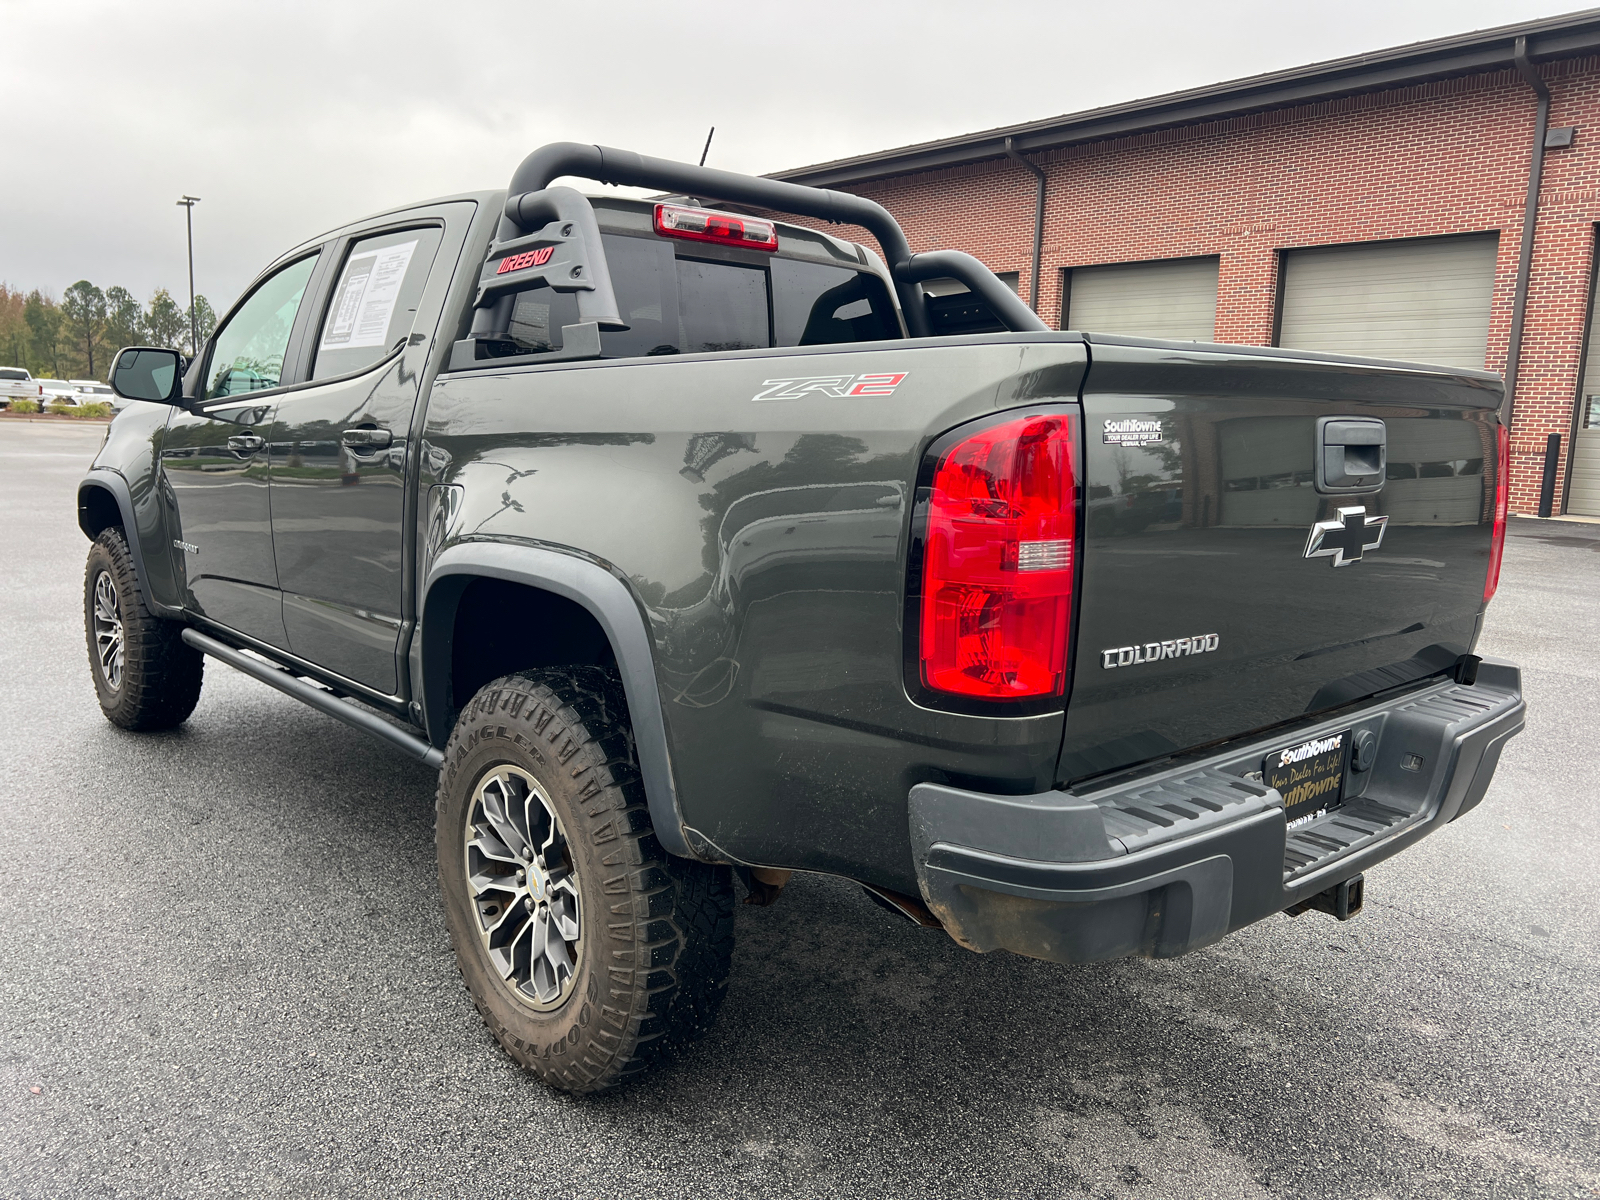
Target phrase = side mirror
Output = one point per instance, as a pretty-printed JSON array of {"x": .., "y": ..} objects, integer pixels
[{"x": 147, "y": 373}]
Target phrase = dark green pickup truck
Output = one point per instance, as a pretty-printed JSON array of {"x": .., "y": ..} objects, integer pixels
[{"x": 693, "y": 546}]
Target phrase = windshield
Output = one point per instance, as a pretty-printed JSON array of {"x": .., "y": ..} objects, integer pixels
[{"x": 8, "y": 374}]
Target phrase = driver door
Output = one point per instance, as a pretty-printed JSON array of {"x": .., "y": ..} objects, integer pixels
[{"x": 214, "y": 460}]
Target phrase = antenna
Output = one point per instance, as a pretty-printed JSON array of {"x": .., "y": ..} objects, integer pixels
[{"x": 707, "y": 150}]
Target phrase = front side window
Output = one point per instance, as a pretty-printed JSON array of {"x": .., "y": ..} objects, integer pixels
[
  {"x": 247, "y": 353},
  {"x": 374, "y": 303}
]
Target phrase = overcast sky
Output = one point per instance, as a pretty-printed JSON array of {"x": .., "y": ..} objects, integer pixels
[{"x": 291, "y": 117}]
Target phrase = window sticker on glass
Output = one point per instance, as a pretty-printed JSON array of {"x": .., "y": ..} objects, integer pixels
[{"x": 364, "y": 301}]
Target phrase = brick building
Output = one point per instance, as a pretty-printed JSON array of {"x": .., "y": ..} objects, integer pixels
[{"x": 1373, "y": 205}]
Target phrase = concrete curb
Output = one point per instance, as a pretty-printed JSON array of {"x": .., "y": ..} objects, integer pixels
[{"x": 51, "y": 419}]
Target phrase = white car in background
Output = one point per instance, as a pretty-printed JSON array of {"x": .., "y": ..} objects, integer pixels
[
  {"x": 92, "y": 391},
  {"x": 17, "y": 384},
  {"x": 57, "y": 391}
]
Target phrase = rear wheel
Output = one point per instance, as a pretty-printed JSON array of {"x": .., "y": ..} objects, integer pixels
[
  {"x": 587, "y": 948},
  {"x": 144, "y": 675}
]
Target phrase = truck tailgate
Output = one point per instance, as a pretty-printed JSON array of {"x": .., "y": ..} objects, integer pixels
[{"x": 1201, "y": 617}]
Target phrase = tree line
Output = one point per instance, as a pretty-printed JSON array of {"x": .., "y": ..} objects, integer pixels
[{"x": 77, "y": 336}]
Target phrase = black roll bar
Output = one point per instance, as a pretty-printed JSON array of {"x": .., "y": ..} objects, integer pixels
[{"x": 607, "y": 165}]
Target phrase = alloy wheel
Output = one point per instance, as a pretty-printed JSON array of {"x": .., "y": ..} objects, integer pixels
[
  {"x": 524, "y": 894},
  {"x": 108, "y": 631}
]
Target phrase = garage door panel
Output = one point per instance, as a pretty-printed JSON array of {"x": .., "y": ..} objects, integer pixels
[
  {"x": 1583, "y": 499},
  {"x": 1173, "y": 300},
  {"x": 1420, "y": 301}
]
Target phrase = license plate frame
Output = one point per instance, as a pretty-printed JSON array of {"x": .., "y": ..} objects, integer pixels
[{"x": 1309, "y": 775}]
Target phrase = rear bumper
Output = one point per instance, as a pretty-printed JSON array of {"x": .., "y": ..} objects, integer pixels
[{"x": 1174, "y": 861}]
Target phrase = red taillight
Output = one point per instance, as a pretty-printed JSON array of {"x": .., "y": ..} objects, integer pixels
[
  {"x": 707, "y": 225},
  {"x": 1502, "y": 501},
  {"x": 998, "y": 562}
]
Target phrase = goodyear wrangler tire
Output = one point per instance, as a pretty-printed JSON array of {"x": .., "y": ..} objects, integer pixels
[
  {"x": 586, "y": 947},
  {"x": 145, "y": 677}
]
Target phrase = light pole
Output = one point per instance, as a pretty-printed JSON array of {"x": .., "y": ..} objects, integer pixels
[{"x": 187, "y": 204}]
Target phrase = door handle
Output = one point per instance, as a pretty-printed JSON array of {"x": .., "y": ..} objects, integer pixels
[
  {"x": 366, "y": 439},
  {"x": 1352, "y": 453},
  {"x": 245, "y": 443}
]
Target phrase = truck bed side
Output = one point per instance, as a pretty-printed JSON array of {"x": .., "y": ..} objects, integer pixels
[{"x": 765, "y": 542}]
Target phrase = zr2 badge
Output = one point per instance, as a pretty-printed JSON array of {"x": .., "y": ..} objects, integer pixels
[{"x": 882, "y": 384}]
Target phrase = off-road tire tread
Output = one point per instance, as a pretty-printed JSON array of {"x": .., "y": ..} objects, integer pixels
[
  {"x": 161, "y": 675},
  {"x": 677, "y": 914}
]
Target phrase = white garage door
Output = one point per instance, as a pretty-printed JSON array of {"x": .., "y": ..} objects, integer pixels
[
  {"x": 1583, "y": 497},
  {"x": 1422, "y": 301},
  {"x": 1583, "y": 492},
  {"x": 1176, "y": 300}
]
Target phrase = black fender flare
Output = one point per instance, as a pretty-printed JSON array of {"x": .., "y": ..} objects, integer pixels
[
  {"x": 107, "y": 480},
  {"x": 612, "y": 604}
]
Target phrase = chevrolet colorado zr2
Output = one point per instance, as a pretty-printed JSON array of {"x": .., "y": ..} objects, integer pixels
[{"x": 690, "y": 545}]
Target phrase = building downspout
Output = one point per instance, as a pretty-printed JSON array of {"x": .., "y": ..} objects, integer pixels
[
  {"x": 1530, "y": 220},
  {"x": 1038, "y": 221}
]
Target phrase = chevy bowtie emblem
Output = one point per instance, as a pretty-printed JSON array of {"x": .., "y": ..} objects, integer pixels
[{"x": 1344, "y": 539}]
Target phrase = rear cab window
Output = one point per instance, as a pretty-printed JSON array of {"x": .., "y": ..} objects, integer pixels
[{"x": 685, "y": 297}]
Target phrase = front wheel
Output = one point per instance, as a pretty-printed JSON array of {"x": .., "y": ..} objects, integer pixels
[
  {"x": 145, "y": 676},
  {"x": 587, "y": 948}
]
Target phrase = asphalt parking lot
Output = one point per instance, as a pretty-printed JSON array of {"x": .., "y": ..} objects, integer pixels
[{"x": 223, "y": 972}]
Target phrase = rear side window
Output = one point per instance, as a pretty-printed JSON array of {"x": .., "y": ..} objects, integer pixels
[
  {"x": 375, "y": 301},
  {"x": 817, "y": 305}
]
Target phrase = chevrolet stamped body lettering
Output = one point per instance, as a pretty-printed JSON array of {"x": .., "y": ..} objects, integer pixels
[
  {"x": 880, "y": 384},
  {"x": 1149, "y": 652},
  {"x": 1346, "y": 537}
]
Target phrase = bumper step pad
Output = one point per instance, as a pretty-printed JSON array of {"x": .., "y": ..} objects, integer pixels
[
  {"x": 1349, "y": 827},
  {"x": 1177, "y": 808}
]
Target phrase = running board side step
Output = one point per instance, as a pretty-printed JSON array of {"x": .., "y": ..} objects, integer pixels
[{"x": 319, "y": 699}]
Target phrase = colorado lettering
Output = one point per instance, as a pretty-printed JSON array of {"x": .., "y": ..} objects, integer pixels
[{"x": 1148, "y": 652}]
